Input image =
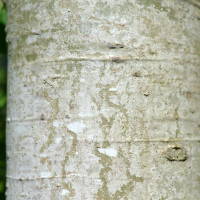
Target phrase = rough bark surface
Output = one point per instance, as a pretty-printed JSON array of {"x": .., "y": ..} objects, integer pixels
[{"x": 103, "y": 100}]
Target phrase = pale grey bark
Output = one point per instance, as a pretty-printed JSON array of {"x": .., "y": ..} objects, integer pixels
[{"x": 103, "y": 100}]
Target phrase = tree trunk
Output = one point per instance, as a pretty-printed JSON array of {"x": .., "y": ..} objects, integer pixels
[{"x": 103, "y": 100}]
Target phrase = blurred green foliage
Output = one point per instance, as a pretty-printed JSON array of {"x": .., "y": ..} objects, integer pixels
[
  {"x": 3, "y": 46},
  {"x": 2, "y": 13},
  {"x": 3, "y": 67}
]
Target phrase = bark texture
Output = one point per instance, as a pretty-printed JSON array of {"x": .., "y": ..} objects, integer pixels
[{"x": 103, "y": 100}]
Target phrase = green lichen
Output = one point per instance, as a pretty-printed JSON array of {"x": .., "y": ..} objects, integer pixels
[
  {"x": 158, "y": 4},
  {"x": 43, "y": 160},
  {"x": 196, "y": 46},
  {"x": 69, "y": 187},
  {"x": 50, "y": 6},
  {"x": 31, "y": 57},
  {"x": 54, "y": 105},
  {"x": 103, "y": 6},
  {"x": 71, "y": 153},
  {"x": 125, "y": 189},
  {"x": 106, "y": 161},
  {"x": 106, "y": 124},
  {"x": 105, "y": 144},
  {"x": 176, "y": 115}
]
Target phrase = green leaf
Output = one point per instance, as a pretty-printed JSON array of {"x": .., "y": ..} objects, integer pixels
[
  {"x": 1, "y": 4},
  {"x": 3, "y": 16},
  {"x": 2, "y": 101},
  {"x": 2, "y": 163},
  {"x": 1, "y": 186}
]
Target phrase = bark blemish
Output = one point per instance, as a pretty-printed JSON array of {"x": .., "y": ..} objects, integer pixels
[
  {"x": 152, "y": 52},
  {"x": 114, "y": 46},
  {"x": 42, "y": 117},
  {"x": 176, "y": 115},
  {"x": 136, "y": 74},
  {"x": 175, "y": 153},
  {"x": 117, "y": 59},
  {"x": 45, "y": 82},
  {"x": 37, "y": 32},
  {"x": 23, "y": 195},
  {"x": 121, "y": 45},
  {"x": 67, "y": 116},
  {"x": 111, "y": 46}
]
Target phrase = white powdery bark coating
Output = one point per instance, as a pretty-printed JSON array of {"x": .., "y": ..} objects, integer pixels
[{"x": 97, "y": 93}]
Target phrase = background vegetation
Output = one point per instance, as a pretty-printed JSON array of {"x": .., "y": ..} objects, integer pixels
[{"x": 3, "y": 69}]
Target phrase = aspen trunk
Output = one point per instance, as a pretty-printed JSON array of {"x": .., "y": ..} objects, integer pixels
[{"x": 103, "y": 100}]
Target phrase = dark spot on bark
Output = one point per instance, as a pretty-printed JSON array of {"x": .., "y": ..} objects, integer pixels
[
  {"x": 42, "y": 117},
  {"x": 7, "y": 156},
  {"x": 121, "y": 46},
  {"x": 136, "y": 74},
  {"x": 67, "y": 116},
  {"x": 114, "y": 46},
  {"x": 37, "y": 32},
  {"x": 117, "y": 59},
  {"x": 111, "y": 46},
  {"x": 175, "y": 153}
]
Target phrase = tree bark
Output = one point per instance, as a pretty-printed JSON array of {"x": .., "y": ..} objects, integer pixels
[{"x": 103, "y": 100}]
